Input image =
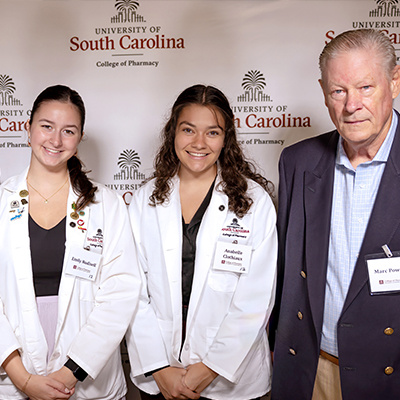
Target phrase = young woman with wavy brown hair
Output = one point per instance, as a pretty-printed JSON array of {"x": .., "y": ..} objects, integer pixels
[
  {"x": 205, "y": 232},
  {"x": 234, "y": 168}
]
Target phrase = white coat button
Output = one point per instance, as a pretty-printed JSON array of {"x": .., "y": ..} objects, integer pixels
[{"x": 186, "y": 347}]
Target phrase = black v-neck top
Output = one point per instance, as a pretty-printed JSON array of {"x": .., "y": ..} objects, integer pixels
[
  {"x": 47, "y": 255},
  {"x": 189, "y": 236},
  {"x": 190, "y": 232}
]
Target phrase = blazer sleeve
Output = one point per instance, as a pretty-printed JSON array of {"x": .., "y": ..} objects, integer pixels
[
  {"x": 117, "y": 293},
  {"x": 253, "y": 300},
  {"x": 145, "y": 343}
]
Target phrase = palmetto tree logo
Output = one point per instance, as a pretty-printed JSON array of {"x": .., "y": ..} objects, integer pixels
[
  {"x": 387, "y": 3},
  {"x": 386, "y": 8},
  {"x": 253, "y": 83},
  {"x": 129, "y": 162},
  {"x": 7, "y": 88},
  {"x": 126, "y": 9},
  {"x": 129, "y": 159}
]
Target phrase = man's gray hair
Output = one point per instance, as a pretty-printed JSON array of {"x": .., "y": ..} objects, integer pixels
[{"x": 360, "y": 39}]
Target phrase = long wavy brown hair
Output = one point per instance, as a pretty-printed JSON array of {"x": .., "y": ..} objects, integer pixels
[
  {"x": 234, "y": 168},
  {"x": 81, "y": 184}
]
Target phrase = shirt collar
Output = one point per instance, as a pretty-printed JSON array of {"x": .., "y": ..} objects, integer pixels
[{"x": 381, "y": 156}]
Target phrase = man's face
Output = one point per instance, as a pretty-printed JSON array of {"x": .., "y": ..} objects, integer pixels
[{"x": 359, "y": 96}]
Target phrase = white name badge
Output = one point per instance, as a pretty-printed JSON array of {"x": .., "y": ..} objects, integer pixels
[
  {"x": 232, "y": 257},
  {"x": 82, "y": 263},
  {"x": 384, "y": 275}
]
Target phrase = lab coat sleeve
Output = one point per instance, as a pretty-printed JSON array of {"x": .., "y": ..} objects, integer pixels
[
  {"x": 8, "y": 342},
  {"x": 145, "y": 343},
  {"x": 117, "y": 294},
  {"x": 253, "y": 299}
]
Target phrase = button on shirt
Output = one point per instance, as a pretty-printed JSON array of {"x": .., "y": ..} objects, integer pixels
[{"x": 354, "y": 193}]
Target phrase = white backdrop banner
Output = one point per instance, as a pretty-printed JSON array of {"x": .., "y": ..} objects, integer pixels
[{"x": 130, "y": 59}]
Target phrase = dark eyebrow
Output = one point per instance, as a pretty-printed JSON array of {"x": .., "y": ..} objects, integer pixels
[
  {"x": 187, "y": 123},
  {"x": 194, "y": 126},
  {"x": 51, "y": 122},
  {"x": 46, "y": 120}
]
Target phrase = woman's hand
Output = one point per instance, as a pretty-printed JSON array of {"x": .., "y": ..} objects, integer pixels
[
  {"x": 171, "y": 383},
  {"x": 36, "y": 387},
  {"x": 198, "y": 377},
  {"x": 65, "y": 376},
  {"x": 46, "y": 388}
]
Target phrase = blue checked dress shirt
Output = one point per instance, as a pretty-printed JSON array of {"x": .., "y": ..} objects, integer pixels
[{"x": 354, "y": 195}]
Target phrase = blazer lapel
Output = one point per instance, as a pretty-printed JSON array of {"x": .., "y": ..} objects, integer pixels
[
  {"x": 318, "y": 191},
  {"x": 384, "y": 220}
]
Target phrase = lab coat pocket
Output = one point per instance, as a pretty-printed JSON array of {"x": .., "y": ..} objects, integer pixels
[
  {"x": 86, "y": 290},
  {"x": 18, "y": 336},
  {"x": 222, "y": 281},
  {"x": 256, "y": 364},
  {"x": 166, "y": 331},
  {"x": 211, "y": 333},
  {"x": 26, "y": 360},
  {"x": 17, "y": 333}
]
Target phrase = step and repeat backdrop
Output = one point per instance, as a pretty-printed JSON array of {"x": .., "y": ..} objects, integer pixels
[{"x": 130, "y": 59}]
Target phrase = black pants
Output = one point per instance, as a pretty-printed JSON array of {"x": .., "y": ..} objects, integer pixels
[{"x": 145, "y": 396}]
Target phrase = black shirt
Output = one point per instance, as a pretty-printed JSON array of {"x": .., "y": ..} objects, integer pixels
[
  {"x": 47, "y": 255},
  {"x": 190, "y": 232}
]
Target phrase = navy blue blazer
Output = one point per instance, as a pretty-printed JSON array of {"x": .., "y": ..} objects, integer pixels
[{"x": 366, "y": 347}]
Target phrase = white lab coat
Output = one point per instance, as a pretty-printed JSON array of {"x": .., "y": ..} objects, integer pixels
[
  {"x": 92, "y": 316},
  {"x": 228, "y": 311}
]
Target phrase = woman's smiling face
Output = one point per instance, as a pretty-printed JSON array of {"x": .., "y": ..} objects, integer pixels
[
  {"x": 199, "y": 139},
  {"x": 55, "y": 133}
]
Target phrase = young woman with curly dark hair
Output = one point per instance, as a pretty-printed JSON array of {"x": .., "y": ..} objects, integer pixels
[
  {"x": 234, "y": 168},
  {"x": 205, "y": 230}
]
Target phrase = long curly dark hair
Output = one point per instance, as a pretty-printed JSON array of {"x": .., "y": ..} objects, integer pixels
[
  {"x": 81, "y": 184},
  {"x": 233, "y": 165}
]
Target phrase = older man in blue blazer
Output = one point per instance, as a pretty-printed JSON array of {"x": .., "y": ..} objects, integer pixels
[{"x": 338, "y": 311}]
